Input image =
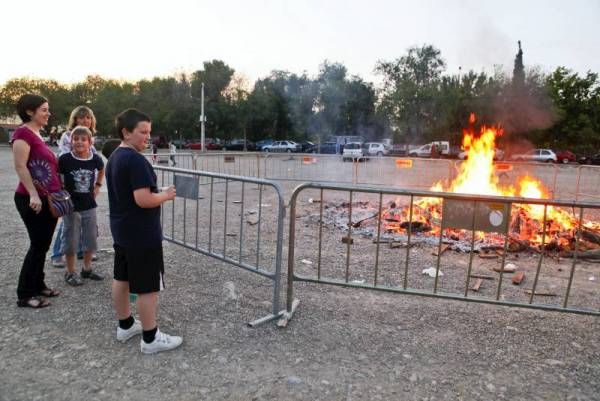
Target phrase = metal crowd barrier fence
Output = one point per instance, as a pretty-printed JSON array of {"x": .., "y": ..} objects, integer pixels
[
  {"x": 415, "y": 173},
  {"x": 234, "y": 163},
  {"x": 588, "y": 183},
  {"x": 564, "y": 181},
  {"x": 180, "y": 160},
  {"x": 237, "y": 220},
  {"x": 398, "y": 268},
  {"x": 308, "y": 167}
]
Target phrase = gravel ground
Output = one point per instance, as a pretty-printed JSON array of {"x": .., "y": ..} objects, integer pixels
[{"x": 343, "y": 344}]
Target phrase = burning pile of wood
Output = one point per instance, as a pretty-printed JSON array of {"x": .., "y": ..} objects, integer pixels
[{"x": 524, "y": 233}]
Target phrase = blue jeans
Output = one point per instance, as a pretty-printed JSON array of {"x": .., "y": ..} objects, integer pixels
[{"x": 58, "y": 248}]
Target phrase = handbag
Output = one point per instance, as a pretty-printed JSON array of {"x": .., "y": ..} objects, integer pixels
[{"x": 60, "y": 203}]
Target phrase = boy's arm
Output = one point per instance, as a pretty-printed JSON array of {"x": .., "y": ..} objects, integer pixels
[
  {"x": 99, "y": 182},
  {"x": 146, "y": 199}
]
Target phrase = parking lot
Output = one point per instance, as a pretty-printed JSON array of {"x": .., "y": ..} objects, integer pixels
[{"x": 343, "y": 344}]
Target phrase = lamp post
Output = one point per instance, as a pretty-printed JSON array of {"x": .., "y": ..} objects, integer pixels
[{"x": 202, "y": 119}]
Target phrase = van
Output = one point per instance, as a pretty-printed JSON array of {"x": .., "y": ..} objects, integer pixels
[
  {"x": 425, "y": 150},
  {"x": 354, "y": 151}
]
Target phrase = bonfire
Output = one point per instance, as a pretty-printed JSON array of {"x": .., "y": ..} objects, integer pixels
[{"x": 477, "y": 176}]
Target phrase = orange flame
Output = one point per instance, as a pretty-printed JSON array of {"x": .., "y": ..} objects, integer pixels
[{"x": 476, "y": 175}]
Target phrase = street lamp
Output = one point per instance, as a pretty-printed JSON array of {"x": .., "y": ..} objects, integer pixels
[{"x": 202, "y": 119}]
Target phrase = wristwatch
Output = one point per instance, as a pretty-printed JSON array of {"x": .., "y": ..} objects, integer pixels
[{"x": 98, "y": 184}]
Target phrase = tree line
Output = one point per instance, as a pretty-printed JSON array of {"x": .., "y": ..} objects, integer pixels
[{"x": 417, "y": 102}]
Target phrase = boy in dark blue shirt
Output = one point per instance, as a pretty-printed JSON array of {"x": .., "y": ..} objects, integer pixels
[
  {"x": 134, "y": 203},
  {"x": 82, "y": 172}
]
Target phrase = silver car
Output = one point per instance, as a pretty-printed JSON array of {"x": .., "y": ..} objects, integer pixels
[
  {"x": 536, "y": 155},
  {"x": 283, "y": 146}
]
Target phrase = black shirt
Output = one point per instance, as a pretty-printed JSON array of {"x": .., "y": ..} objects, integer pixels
[
  {"x": 131, "y": 226},
  {"x": 79, "y": 178}
]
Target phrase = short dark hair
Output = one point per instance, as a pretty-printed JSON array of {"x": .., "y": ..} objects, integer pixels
[
  {"x": 129, "y": 119},
  {"x": 29, "y": 102}
]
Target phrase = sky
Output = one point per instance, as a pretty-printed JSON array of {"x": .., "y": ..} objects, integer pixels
[{"x": 67, "y": 40}]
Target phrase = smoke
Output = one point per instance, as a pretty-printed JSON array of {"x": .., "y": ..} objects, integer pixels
[{"x": 525, "y": 108}]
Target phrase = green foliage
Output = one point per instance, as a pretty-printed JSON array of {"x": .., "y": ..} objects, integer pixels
[
  {"x": 417, "y": 102},
  {"x": 577, "y": 101}
]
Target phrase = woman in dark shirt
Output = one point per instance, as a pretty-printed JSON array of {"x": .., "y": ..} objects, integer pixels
[{"x": 37, "y": 169}]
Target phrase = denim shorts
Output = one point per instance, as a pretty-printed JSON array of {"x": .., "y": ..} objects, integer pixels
[{"x": 80, "y": 225}]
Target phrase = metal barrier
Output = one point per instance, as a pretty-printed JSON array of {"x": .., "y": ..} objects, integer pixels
[
  {"x": 308, "y": 167},
  {"x": 202, "y": 219},
  {"x": 588, "y": 183},
  {"x": 415, "y": 173},
  {"x": 564, "y": 181},
  {"x": 180, "y": 160},
  {"x": 234, "y": 163},
  {"x": 388, "y": 272}
]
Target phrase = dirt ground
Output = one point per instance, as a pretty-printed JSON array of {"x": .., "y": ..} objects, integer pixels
[{"x": 343, "y": 344}]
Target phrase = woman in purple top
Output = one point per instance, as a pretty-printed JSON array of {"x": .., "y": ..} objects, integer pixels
[{"x": 37, "y": 168}]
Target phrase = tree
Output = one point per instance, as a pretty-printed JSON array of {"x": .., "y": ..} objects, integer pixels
[
  {"x": 409, "y": 87},
  {"x": 577, "y": 101},
  {"x": 216, "y": 76}
]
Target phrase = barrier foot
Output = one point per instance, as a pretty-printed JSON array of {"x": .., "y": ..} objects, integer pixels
[
  {"x": 287, "y": 316},
  {"x": 266, "y": 319}
]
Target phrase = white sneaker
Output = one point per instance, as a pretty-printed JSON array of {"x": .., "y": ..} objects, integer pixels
[
  {"x": 135, "y": 329},
  {"x": 162, "y": 342}
]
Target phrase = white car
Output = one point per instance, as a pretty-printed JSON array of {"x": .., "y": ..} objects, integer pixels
[
  {"x": 283, "y": 146},
  {"x": 377, "y": 149},
  {"x": 536, "y": 155},
  {"x": 443, "y": 148},
  {"x": 354, "y": 151}
]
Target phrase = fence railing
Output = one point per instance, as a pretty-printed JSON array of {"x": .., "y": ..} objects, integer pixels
[
  {"x": 237, "y": 220},
  {"x": 337, "y": 249},
  {"x": 564, "y": 181}
]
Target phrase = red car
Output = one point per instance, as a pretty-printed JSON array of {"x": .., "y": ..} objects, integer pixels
[
  {"x": 194, "y": 145},
  {"x": 213, "y": 146},
  {"x": 565, "y": 156}
]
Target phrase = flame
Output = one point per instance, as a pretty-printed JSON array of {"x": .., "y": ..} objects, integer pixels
[{"x": 476, "y": 175}]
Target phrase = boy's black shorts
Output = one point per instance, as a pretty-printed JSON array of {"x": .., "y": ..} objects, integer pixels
[{"x": 142, "y": 267}]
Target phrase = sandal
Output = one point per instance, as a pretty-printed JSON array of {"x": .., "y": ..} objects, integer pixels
[
  {"x": 49, "y": 293},
  {"x": 33, "y": 302}
]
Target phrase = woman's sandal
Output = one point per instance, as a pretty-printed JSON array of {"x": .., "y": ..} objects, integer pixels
[
  {"x": 49, "y": 293},
  {"x": 33, "y": 302}
]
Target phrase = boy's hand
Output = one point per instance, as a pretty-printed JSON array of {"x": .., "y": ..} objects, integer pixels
[
  {"x": 96, "y": 191},
  {"x": 170, "y": 192}
]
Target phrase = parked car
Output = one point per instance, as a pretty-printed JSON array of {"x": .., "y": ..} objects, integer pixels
[
  {"x": 283, "y": 146},
  {"x": 329, "y": 148},
  {"x": 262, "y": 143},
  {"x": 498, "y": 154},
  {"x": 308, "y": 147},
  {"x": 535, "y": 155},
  {"x": 565, "y": 156},
  {"x": 214, "y": 145},
  {"x": 354, "y": 151},
  {"x": 425, "y": 150},
  {"x": 377, "y": 149},
  {"x": 595, "y": 159},
  {"x": 194, "y": 145},
  {"x": 238, "y": 144},
  {"x": 399, "y": 150}
]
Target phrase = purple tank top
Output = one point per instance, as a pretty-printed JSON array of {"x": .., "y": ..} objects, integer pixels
[{"x": 42, "y": 163}]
